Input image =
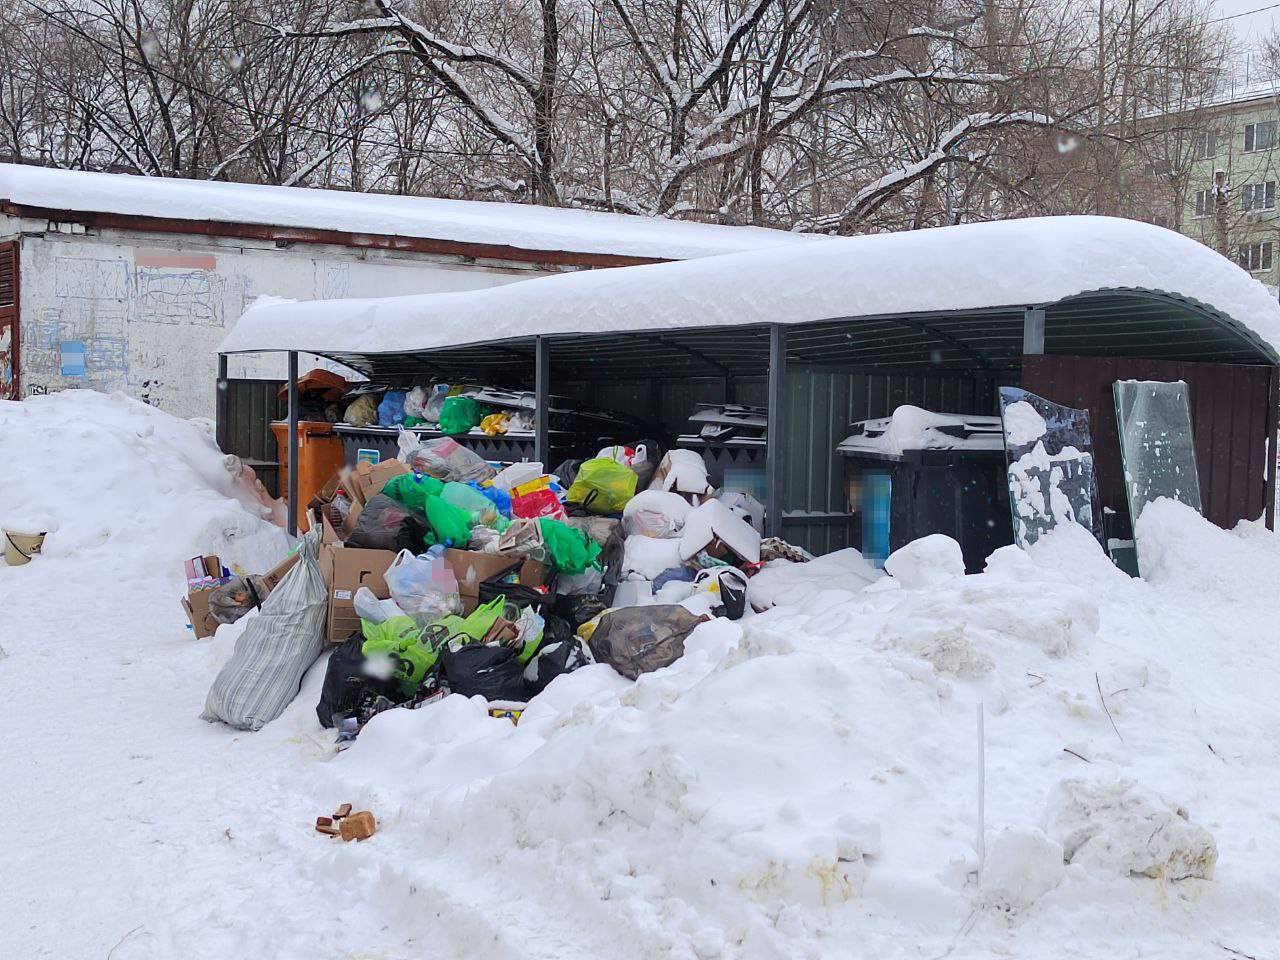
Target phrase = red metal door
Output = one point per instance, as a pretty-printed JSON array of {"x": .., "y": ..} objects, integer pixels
[{"x": 9, "y": 334}]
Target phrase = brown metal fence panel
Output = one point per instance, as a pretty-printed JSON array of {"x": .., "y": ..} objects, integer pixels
[
  {"x": 1232, "y": 418},
  {"x": 10, "y": 334}
]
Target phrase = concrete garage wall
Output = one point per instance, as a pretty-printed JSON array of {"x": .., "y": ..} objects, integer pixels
[{"x": 144, "y": 314}]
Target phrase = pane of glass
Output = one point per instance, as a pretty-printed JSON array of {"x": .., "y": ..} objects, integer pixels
[
  {"x": 1049, "y": 451},
  {"x": 1156, "y": 446}
]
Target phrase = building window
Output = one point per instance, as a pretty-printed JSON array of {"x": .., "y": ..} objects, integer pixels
[
  {"x": 1259, "y": 136},
  {"x": 1258, "y": 196},
  {"x": 1255, "y": 257},
  {"x": 1206, "y": 145},
  {"x": 1204, "y": 203}
]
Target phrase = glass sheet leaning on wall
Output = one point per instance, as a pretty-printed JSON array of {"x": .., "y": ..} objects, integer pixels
[
  {"x": 1157, "y": 449},
  {"x": 1049, "y": 451}
]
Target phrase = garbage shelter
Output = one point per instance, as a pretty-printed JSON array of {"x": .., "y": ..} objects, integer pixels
[{"x": 822, "y": 335}]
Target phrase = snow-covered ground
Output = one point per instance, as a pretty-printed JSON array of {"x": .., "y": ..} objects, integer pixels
[{"x": 802, "y": 784}]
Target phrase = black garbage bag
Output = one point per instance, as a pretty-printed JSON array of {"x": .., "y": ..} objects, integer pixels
[
  {"x": 346, "y": 685},
  {"x": 387, "y": 524},
  {"x": 578, "y": 608},
  {"x": 636, "y": 640},
  {"x": 553, "y": 659},
  {"x": 492, "y": 671}
]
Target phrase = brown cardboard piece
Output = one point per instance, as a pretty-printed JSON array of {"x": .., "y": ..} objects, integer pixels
[
  {"x": 346, "y": 570},
  {"x": 368, "y": 479},
  {"x": 271, "y": 579},
  {"x": 196, "y": 607},
  {"x": 196, "y": 603},
  {"x": 471, "y": 567}
]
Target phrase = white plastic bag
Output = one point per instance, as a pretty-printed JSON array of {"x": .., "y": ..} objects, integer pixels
[
  {"x": 369, "y": 607},
  {"x": 655, "y": 513},
  {"x": 511, "y": 477},
  {"x": 424, "y": 587},
  {"x": 415, "y": 404}
]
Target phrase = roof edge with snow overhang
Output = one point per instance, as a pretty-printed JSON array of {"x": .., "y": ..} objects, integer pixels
[
  {"x": 1114, "y": 277},
  {"x": 467, "y": 228}
]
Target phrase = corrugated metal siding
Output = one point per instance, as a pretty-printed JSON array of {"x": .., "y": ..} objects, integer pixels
[
  {"x": 821, "y": 405},
  {"x": 1230, "y": 419},
  {"x": 251, "y": 407}
]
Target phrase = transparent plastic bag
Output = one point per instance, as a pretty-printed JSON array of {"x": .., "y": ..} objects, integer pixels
[
  {"x": 415, "y": 404},
  {"x": 479, "y": 508},
  {"x": 424, "y": 587},
  {"x": 446, "y": 459}
]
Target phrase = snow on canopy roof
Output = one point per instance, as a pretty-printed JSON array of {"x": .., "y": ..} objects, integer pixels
[
  {"x": 974, "y": 266},
  {"x": 522, "y": 226}
]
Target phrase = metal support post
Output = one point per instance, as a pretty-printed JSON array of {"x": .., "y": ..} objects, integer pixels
[
  {"x": 1033, "y": 331},
  {"x": 542, "y": 414},
  {"x": 293, "y": 443},
  {"x": 220, "y": 404},
  {"x": 776, "y": 436}
]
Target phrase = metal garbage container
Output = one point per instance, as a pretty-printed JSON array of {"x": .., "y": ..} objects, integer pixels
[{"x": 933, "y": 473}]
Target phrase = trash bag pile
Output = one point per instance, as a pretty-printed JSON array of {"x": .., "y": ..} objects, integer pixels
[
  {"x": 446, "y": 573},
  {"x": 453, "y": 409}
]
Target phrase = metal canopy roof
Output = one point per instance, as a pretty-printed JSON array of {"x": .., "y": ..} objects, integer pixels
[{"x": 1116, "y": 323}]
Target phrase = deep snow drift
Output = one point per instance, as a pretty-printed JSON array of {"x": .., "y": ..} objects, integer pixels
[{"x": 801, "y": 784}]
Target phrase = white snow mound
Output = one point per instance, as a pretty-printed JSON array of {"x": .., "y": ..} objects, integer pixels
[
  {"x": 1115, "y": 827},
  {"x": 927, "y": 562},
  {"x": 112, "y": 476},
  {"x": 1022, "y": 866}
]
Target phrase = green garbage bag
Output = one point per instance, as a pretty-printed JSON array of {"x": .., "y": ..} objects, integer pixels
[
  {"x": 412, "y": 490},
  {"x": 568, "y": 549},
  {"x": 474, "y": 625},
  {"x": 603, "y": 485},
  {"x": 460, "y": 414},
  {"x": 402, "y": 640},
  {"x": 450, "y": 524}
]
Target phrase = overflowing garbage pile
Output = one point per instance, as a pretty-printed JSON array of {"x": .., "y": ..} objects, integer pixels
[
  {"x": 438, "y": 572},
  {"x": 461, "y": 409}
]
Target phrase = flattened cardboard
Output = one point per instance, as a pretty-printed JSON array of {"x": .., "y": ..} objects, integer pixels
[
  {"x": 472, "y": 568},
  {"x": 346, "y": 570}
]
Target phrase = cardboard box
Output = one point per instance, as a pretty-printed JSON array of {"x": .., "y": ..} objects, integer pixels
[
  {"x": 472, "y": 568},
  {"x": 196, "y": 607},
  {"x": 346, "y": 570},
  {"x": 271, "y": 579},
  {"x": 196, "y": 603},
  {"x": 368, "y": 479}
]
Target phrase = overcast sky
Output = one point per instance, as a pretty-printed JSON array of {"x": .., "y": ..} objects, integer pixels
[{"x": 1252, "y": 25}]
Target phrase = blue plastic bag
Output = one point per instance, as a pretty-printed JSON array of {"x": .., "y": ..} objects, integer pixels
[
  {"x": 391, "y": 409},
  {"x": 501, "y": 498}
]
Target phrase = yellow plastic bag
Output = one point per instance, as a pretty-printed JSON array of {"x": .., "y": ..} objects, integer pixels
[{"x": 603, "y": 486}]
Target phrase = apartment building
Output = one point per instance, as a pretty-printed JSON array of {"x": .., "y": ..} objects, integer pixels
[{"x": 1231, "y": 196}]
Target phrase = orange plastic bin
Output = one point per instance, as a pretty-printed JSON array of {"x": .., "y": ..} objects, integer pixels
[{"x": 319, "y": 458}]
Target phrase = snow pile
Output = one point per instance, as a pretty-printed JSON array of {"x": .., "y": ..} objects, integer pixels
[
  {"x": 928, "y": 562},
  {"x": 1021, "y": 867},
  {"x": 807, "y": 775},
  {"x": 1118, "y": 828},
  {"x": 114, "y": 478},
  {"x": 914, "y": 428},
  {"x": 783, "y": 581}
]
